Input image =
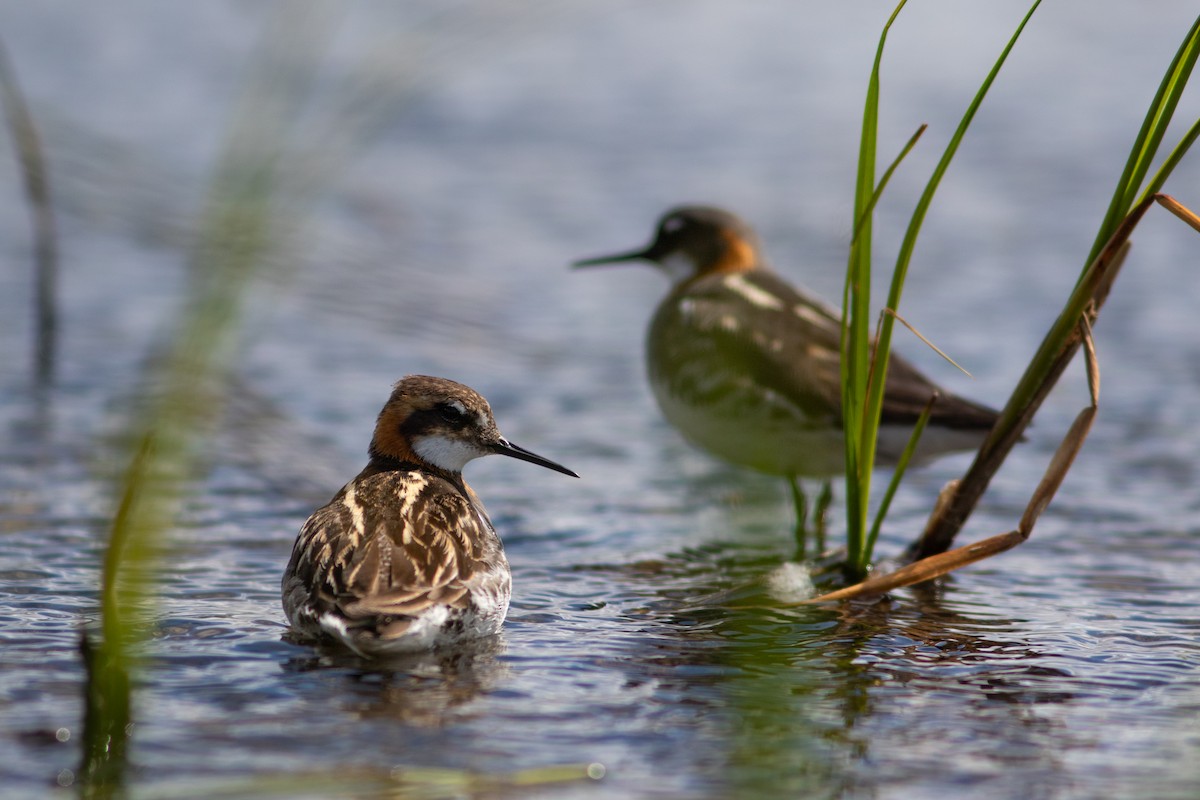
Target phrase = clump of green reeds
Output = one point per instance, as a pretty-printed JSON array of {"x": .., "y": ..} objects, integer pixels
[
  {"x": 865, "y": 360},
  {"x": 864, "y": 357}
]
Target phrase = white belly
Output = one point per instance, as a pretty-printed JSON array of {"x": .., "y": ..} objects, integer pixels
[
  {"x": 767, "y": 438},
  {"x": 774, "y": 438}
]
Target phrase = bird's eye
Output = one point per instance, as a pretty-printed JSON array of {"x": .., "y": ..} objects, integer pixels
[{"x": 452, "y": 413}]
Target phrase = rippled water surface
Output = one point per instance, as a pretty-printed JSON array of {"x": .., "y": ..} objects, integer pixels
[{"x": 461, "y": 155}]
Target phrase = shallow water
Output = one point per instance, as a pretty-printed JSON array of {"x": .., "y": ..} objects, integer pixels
[{"x": 507, "y": 142}]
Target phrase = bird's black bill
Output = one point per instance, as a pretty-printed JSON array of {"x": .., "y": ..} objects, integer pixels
[
  {"x": 507, "y": 448},
  {"x": 617, "y": 258}
]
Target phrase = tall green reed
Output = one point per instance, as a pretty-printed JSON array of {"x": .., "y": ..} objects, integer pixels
[
  {"x": 864, "y": 358},
  {"x": 247, "y": 216}
]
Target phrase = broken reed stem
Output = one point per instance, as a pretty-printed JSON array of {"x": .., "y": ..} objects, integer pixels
[
  {"x": 935, "y": 566},
  {"x": 1047, "y": 366},
  {"x": 912, "y": 329},
  {"x": 1064, "y": 456},
  {"x": 1178, "y": 209},
  {"x": 924, "y": 570},
  {"x": 1057, "y": 470},
  {"x": 1097, "y": 281}
]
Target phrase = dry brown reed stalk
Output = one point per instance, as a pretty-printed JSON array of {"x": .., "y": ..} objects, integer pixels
[
  {"x": 1178, "y": 209},
  {"x": 937, "y": 565},
  {"x": 1047, "y": 366}
]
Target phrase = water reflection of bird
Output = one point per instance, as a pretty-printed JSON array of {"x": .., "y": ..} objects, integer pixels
[
  {"x": 747, "y": 367},
  {"x": 404, "y": 557},
  {"x": 427, "y": 689}
]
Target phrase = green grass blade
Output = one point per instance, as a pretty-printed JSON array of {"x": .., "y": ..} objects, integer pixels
[
  {"x": 861, "y": 492},
  {"x": 1150, "y": 135},
  {"x": 855, "y": 338},
  {"x": 874, "y": 406},
  {"x": 858, "y": 552},
  {"x": 897, "y": 475},
  {"x": 1047, "y": 364},
  {"x": 32, "y": 161},
  {"x": 236, "y": 235},
  {"x": 1174, "y": 83},
  {"x": 887, "y": 176},
  {"x": 1160, "y": 178}
]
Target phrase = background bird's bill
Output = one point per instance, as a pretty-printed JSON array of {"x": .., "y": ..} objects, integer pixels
[{"x": 633, "y": 255}]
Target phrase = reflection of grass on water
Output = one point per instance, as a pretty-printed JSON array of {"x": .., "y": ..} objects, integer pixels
[{"x": 864, "y": 365}]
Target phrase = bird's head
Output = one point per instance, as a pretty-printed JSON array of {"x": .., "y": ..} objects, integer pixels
[
  {"x": 693, "y": 241},
  {"x": 444, "y": 424}
]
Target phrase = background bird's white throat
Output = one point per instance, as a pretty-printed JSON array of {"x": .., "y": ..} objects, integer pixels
[{"x": 678, "y": 266}]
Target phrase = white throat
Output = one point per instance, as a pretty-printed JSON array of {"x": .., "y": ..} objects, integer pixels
[
  {"x": 445, "y": 453},
  {"x": 678, "y": 267}
]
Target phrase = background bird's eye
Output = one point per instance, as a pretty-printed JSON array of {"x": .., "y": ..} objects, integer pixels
[{"x": 672, "y": 225}]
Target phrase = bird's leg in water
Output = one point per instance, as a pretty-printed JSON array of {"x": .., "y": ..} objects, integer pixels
[
  {"x": 801, "y": 504},
  {"x": 820, "y": 513},
  {"x": 824, "y": 500}
]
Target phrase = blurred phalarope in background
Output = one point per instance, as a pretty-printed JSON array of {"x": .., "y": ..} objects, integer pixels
[{"x": 748, "y": 367}]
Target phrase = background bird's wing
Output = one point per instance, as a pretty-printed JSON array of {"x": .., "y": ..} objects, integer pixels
[
  {"x": 751, "y": 330},
  {"x": 789, "y": 343},
  {"x": 908, "y": 392}
]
